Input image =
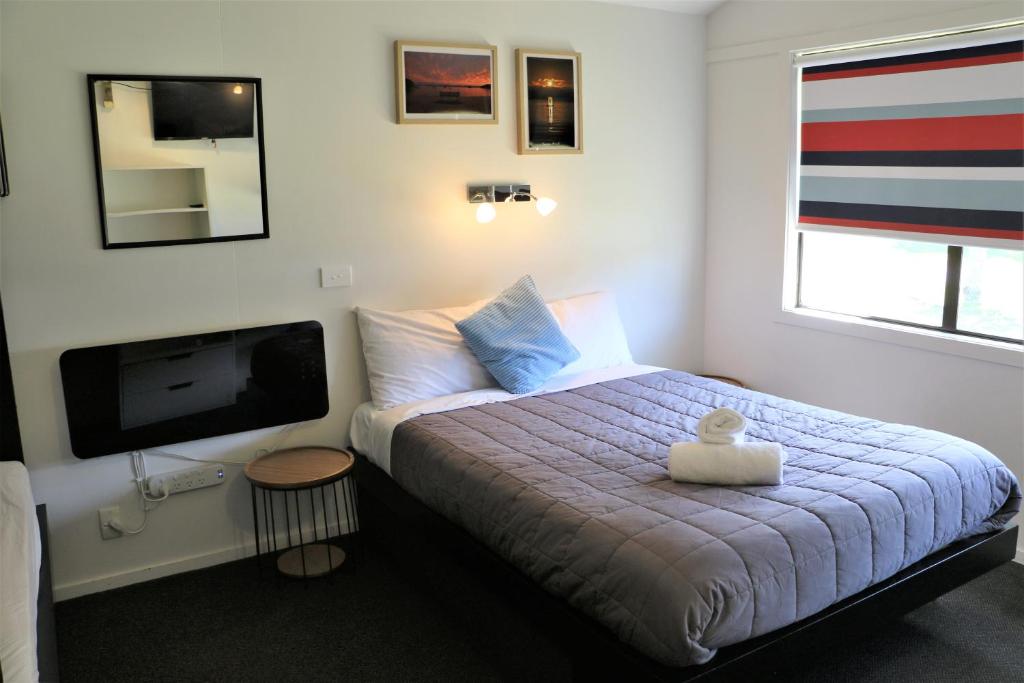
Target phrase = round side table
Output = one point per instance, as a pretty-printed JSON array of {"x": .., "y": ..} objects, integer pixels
[
  {"x": 284, "y": 479},
  {"x": 727, "y": 380}
]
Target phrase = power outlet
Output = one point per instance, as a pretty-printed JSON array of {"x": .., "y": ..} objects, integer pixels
[
  {"x": 336, "y": 276},
  {"x": 185, "y": 480},
  {"x": 108, "y": 515}
]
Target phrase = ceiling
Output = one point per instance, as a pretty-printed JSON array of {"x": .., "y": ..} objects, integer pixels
[{"x": 681, "y": 6}]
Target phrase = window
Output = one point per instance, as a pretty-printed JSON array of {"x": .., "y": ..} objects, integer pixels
[
  {"x": 910, "y": 206},
  {"x": 906, "y": 283},
  {"x": 991, "y": 296}
]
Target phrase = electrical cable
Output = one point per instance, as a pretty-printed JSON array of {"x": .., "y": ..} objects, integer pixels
[
  {"x": 259, "y": 452},
  {"x": 140, "y": 476},
  {"x": 138, "y": 462},
  {"x": 128, "y": 85}
]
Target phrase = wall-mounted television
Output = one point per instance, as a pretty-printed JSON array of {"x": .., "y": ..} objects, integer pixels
[
  {"x": 137, "y": 395},
  {"x": 195, "y": 110}
]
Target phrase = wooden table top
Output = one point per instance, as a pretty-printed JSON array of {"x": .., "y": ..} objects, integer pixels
[
  {"x": 727, "y": 380},
  {"x": 296, "y": 468}
]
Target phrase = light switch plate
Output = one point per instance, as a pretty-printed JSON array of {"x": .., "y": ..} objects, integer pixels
[{"x": 336, "y": 276}]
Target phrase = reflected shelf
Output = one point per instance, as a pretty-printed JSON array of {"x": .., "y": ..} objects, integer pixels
[
  {"x": 147, "y": 212},
  {"x": 159, "y": 166}
]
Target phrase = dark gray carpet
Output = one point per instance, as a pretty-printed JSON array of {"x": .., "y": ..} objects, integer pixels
[{"x": 375, "y": 622}]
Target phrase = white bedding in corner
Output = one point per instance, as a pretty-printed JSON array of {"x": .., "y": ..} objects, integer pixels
[
  {"x": 371, "y": 429},
  {"x": 20, "y": 557}
]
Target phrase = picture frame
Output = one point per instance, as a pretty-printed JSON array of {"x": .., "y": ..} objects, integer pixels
[
  {"x": 154, "y": 191},
  {"x": 439, "y": 82},
  {"x": 5, "y": 185},
  {"x": 549, "y": 93}
]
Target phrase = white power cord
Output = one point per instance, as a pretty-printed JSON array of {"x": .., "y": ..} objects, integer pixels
[
  {"x": 140, "y": 475},
  {"x": 259, "y": 452},
  {"x": 138, "y": 460}
]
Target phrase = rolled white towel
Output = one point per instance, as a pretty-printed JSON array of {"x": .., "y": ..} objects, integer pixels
[
  {"x": 722, "y": 425},
  {"x": 744, "y": 464}
]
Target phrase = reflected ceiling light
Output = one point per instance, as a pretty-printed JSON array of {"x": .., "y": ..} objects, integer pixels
[
  {"x": 108, "y": 95},
  {"x": 237, "y": 89},
  {"x": 487, "y": 195}
]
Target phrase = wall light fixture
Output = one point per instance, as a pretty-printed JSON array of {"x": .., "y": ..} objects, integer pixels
[{"x": 506, "y": 193}]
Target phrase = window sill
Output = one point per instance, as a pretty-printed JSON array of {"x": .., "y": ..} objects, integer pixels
[{"x": 939, "y": 342}]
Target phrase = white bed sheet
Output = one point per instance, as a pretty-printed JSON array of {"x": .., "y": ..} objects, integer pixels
[
  {"x": 372, "y": 429},
  {"x": 20, "y": 557}
]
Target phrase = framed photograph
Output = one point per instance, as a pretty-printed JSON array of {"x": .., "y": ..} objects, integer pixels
[
  {"x": 548, "y": 84},
  {"x": 445, "y": 82}
]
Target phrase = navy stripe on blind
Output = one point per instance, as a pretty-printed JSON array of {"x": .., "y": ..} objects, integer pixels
[
  {"x": 922, "y": 57},
  {"x": 921, "y": 215},
  {"x": 1001, "y": 158}
]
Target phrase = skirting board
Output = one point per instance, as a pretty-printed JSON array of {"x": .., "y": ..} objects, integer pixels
[
  {"x": 107, "y": 582},
  {"x": 99, "y": 584},
  {"x": 1020, "y": 555}
]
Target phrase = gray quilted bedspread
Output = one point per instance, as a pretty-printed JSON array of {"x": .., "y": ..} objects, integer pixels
[{"x": 572, "y": 489}]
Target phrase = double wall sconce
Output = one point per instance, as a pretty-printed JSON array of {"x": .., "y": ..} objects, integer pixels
[{"x": 486, "y": 196}]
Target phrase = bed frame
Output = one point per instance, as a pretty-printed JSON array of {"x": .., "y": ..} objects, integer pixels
[
  {"x": 394, "y": 519},
  {"x": 46, "y": 623}
]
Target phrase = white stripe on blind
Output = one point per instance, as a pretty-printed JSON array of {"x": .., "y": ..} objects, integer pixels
[{"x": 979, "y": 83}]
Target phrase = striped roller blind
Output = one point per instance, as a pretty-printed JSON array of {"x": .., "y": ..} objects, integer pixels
[{"x": 927, "y": 145}]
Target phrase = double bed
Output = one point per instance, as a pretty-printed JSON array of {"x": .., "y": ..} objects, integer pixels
[{"x": 566, "y": 493}]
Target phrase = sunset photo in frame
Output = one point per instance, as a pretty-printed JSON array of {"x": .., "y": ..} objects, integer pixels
[
  {"x": 550, "y": 101},
  {"x": 445, "y": 82}
]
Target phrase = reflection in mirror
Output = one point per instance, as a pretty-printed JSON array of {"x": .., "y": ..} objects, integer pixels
[{"x": 179, "y": 159}]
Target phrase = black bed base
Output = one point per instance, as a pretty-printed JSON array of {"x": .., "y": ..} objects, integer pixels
[
  {"x": 46, "y": 625},
  {"x": 415, "y": 534}
]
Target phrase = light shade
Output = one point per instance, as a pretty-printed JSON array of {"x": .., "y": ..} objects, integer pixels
[
  {"x": 545, "y": 205},
  {"x": 485, "y": 213}
]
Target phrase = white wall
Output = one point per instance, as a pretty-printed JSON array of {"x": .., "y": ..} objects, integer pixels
[
  {"x": 346, "y": 186},
  {"x": 749, "y": 112}
]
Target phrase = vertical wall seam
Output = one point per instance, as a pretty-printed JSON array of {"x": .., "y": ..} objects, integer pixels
[
  {"x": 220, "y": 25},
  {"x": 234, "y": 246}
]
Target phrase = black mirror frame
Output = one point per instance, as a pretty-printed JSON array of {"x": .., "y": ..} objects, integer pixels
[{"x": 91, "y": 80}]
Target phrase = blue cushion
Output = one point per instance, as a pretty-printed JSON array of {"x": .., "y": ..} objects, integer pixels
[{"x": 517, "y": 339}]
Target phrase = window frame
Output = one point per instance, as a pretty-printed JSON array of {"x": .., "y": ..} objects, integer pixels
[
  {"x": 950, "y": 306},
  {"x": 940, "y": 339}
]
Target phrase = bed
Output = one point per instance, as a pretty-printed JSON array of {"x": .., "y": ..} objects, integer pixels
[
  {"x": 27, "y": 630},
  {"x": 28, "y": 639},
  {"x": 565, "y": 493}
]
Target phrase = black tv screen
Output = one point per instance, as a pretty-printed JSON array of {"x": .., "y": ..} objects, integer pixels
[
  {"x": 193, "y": 110},
  {"x": 127, "y": 397}
]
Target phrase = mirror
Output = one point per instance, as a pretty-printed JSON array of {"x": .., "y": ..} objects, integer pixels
[{"x": 179, "y": 159}]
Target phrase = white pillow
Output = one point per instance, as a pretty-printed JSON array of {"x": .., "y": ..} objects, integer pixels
[
  {"x": 592, "y": 324},
  {"x": 416, "y": 355}
]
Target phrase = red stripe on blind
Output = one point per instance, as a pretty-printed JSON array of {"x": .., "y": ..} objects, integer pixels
[
  {"x": 1002, "y": 131},
  {"x": 911, "y": 227},
  {"x": 920, "y": 66}
]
